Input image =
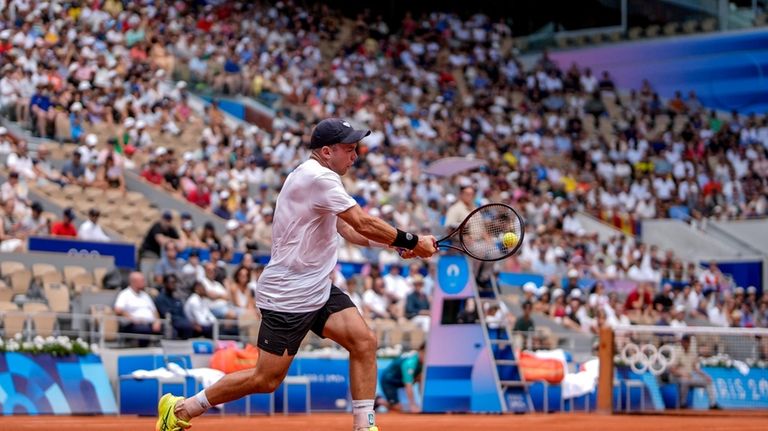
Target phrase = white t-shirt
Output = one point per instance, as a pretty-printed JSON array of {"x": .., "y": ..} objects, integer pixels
[
  {"x": 137, "y": 306},
  {"x": 304, "y": 240}
]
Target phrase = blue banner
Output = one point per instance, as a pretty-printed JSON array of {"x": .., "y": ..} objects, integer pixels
[
  {"x": 43, "y": 384},
  {"x": 124, "y": 253},
  {"x": 738, "y": 391},
  {"x": 329, "y": 381}
]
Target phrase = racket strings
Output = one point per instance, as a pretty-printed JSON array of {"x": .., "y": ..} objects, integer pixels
[{"x": 483, "y": 234}]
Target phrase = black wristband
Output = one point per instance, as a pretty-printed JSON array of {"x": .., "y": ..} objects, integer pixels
[{"x": 405, "y": 240}]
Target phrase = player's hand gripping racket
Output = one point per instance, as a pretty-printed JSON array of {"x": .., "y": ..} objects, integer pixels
[{"x": 490, "y": 232}]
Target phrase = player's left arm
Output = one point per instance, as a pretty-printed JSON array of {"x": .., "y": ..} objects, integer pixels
[{"x": 349, "y": 234}]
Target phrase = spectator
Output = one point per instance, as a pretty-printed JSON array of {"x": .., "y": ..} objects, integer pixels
[
  {"x": 10, "y": 235},
  {"x": 685, "y": 371},
  {"x": 376, "y": 304},
  {"x": 19, "y": 161},
  {"x": 262, "y": 233},
  {"x": 73, "y": 171},
  {"x": 217, "y": 294},
  {"x": 65, "y": 227},
  {"x": 90, "y": 229},
  {"x": 137, "y": 309},
  {"x": 241, "y": 292},
  {"x": 525, "y": 323},
  {"x": 232, "y": 242},
  {"x": 461, "y": 209},
  {"x": 161, "y": 233},
  {"x": 14, "y": 190},
  {"x": 188, "y": 236},
  {"x": 170, "y": 263},
  {"x": 35, "y": 224},
  {"x": 397, "y": 287},
  {"x": 198, "y": 313},
  {"x": 417, "y": 304},
  {"x": 222, "y": 209},
  {"x": 168, "y": 305},
  {"x": 193, "y": 269}
]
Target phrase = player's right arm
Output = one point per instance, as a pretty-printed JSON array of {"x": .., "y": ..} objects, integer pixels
[{"x": 377, "y": 230}]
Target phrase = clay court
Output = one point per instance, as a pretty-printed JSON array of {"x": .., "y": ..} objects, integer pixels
[{"x": 399, "y": 422}]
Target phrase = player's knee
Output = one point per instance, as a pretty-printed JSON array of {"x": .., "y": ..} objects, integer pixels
[
  {"x": 365, "y": 343},
  {"x": 270, "y": 383}
]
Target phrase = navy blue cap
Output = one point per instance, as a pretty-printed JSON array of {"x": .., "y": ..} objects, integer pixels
[
  {"x": 335, "y": 131},
  {"x": 69, "y": 213}
]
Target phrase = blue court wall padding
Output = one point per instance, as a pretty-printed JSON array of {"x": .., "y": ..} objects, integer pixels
[{"x": 44, "y": 384}]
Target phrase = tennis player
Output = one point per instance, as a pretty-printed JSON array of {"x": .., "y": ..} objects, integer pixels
[{"x": 295, "y": 294}]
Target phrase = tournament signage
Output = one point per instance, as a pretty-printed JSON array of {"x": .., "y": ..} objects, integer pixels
[
  {"x": 124, "y": 253},
  {"x": 735, "y": 390}
]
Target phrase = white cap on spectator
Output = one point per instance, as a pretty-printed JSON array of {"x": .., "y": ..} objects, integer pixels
[
  {"x": 267, "y": 150},
  {"x": 576, "y": 293},
  {"x": 450, "y": 198},
  {"x": 374, "y": 212},
  {"x": 252, "y": 130},
  {"x": 387, "y": 209},
  {"x": 542, "y": 290},
  {"x": 267, "y": 211},
  {"x": 141, "y": 124},
  {"x": 91, "y": 140},
  {"x": 84, "y": 86},
  {"x": 181, "y": 84},
  {"x": 573, "y": 273},
  {"x": 5, "y": 34},
  {"x": 751, "y": 289},
  {"x": 530, "y": 287},
  {"x": 76, "y": 107},
  {"x": 680, "y": 308},
  {"x": 160, "y": 73},
  {"x": 232, "y": 224},
  {"x": 129, "y": 123},
  {"x": 224, "y": 194},
  {"x": 557, "y": 293},
  {"x": 3, "y": 131},
  {"x": 160, "y": 151},
  {"x": 188, "y": 156}
]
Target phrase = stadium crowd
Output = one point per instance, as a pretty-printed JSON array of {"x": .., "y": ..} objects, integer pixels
[{"x": 556, "y": 139}]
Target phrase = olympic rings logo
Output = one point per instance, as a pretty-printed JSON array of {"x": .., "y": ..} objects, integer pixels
[{"x": 648, "y": 357}]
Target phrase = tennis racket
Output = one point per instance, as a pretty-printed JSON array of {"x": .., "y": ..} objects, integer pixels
[{"x": 489, "y": 233}]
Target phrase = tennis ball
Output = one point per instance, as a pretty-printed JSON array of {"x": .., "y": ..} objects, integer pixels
[{"x": 509, "y": 239}]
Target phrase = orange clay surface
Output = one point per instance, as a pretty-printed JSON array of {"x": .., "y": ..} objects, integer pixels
[{"x": 402, "y": 422}]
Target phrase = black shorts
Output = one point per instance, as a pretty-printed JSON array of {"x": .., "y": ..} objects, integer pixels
[{"x": 281, "y": 331}]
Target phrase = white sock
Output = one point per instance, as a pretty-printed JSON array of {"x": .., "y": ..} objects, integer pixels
[
  {"x": 197, "y": 405},
  {"x": 362, "y": 411}
]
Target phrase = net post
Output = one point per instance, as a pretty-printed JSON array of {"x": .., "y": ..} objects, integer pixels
[{"x": 605, "y": 379}]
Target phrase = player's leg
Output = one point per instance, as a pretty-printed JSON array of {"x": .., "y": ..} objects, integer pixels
[
  {"x": 346, "y": 326},
  {"x": 280, "y": 336},
  {"x": 174, "y": 413}
]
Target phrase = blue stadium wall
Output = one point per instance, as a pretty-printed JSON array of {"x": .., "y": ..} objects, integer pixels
[
  {"x": 43, "y": 384},
  {"x": 728, "y": 71}
]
